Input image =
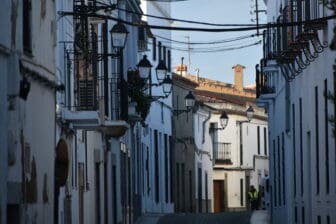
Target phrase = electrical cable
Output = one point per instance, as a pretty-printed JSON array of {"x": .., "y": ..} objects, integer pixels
[
  {"x": 175, "y": 19},
  {"x": 197, "y": 29},
  {"x": 209, "y": 42}
]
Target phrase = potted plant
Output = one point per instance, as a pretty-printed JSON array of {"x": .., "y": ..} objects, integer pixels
[{"x": 136, "y": 89}]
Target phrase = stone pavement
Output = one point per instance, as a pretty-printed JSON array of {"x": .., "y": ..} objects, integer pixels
[
  {"x": 197, "y": 218},
  {"x": 260, "y": 217},
  {"x": 257, "y": 217}
]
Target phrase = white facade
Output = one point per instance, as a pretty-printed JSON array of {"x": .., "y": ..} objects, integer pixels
[
  {"x": 99, "y": 186},
  {"x": 302, "y": 155},
  {"x": 237, "y": 155},
  {"x": 156, "y": 178},
  {"x": 203, "y": 161},
  {"x": 27, "y": 58}
]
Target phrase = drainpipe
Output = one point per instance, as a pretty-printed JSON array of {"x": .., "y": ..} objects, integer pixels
[{"x": 203, "y": 126}]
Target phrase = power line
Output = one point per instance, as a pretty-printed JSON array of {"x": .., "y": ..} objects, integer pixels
[
  {"x": 176, "y": 19},
  {"x": 221, "y": 49},
  {"x": 208, "y": 42},
  {"x": 197, "y": 29}
]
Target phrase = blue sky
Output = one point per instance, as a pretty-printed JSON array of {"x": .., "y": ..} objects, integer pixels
[{"x": 218, "y": 66}]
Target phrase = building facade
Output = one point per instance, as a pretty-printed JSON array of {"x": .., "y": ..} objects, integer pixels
[
  {"x": 225, "y": 161},
  {"x": 154, "y": 185},
  {"x": 28, "y": 99},
  {"x": 293, "y": 79}
]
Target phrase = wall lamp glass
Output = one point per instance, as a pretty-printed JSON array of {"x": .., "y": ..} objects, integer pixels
[
  {"x": 119, "y": 35},
  {"x": 249, "y": 113},
  {"x": 161, "y": 71},
  {"x": 189, "y": 103},
  {"x": 223, "y": 120}
]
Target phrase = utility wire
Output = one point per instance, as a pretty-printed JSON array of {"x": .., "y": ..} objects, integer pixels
[
  {"x": 221, "y": 49},
  {"x": 211, "y": 30},
  {"x": 209, "y": 42},
  {"x": 175, "y": 19}
]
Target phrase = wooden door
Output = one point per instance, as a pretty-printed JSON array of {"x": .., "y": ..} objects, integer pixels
[{"x": 218, "y": 195}]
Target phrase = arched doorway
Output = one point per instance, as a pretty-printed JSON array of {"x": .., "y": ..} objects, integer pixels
[{"x": 61, "y": 173}]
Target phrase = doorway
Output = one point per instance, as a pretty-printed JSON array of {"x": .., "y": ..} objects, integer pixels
[{"x": 219, "y": 196}]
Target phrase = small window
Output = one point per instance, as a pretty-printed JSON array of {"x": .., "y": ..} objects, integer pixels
[
  {"x": 154, "y": 49},
  {"x": 27, "y": 26},
  {"x": 142, "y": 39}
]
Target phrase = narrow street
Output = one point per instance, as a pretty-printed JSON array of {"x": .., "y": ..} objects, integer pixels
[{"x": 246, "y": 217}]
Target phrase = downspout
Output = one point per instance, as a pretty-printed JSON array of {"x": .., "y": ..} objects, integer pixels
[{"x": 203, "y": 126}]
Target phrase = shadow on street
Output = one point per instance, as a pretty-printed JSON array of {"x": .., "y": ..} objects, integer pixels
[{"x": 205, "y": 218}]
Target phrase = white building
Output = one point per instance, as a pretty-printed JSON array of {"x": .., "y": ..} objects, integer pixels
[
  {"x": 226, "y": 161},
  {"x": 154, "y": 186},
  {"x": 93, "y": 130},
  {"x": 28, "y": 111},
  {"x": 296, "y": 73}
]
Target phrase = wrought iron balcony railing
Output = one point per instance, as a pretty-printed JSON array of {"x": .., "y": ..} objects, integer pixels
[{"x": 222, "y": 153}]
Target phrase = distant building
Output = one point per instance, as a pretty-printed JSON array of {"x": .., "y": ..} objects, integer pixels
[{"x": 225, "y": 161}]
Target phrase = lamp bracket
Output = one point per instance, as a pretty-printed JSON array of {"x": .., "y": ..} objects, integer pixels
[{"x": 178, "y": 112}]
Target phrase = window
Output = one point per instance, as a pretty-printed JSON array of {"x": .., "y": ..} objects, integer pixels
[
  {"x": 171, "y": 165},
  {"x": 318, "y": 219},
  {"x": 241, "y": 191},
  {"x": 303, "y": 215},
  {"x": 294, "y": 148},
  {"x": 301, "y": 146},
  {"x": 279, "y": 170},
  {"x": 327, "y": 178},
  {"x": 258, "y": 139},
  {"x": 160, "y": 51},
  {"x": 142, "y": 39},
  {"x": 27, "y": 26},
  {"x": 190, "y": 191},
  {"x": 156, "y": 165},
  {"x": 265, "y": 141},
  {"x": 169, "y": 61},
  {"x": 283, "y": 169},
  {"x": 274, "y": 175},
  {"x": 147, "y": 171},
  {"x": 183, "y": 190},
  {"x": 164, "y": 52},
  {"x": 317, "y": 154},
  {"x": 206, "y": 192},
  {"x": 177, "y": 189},
  {"x": 295, "y": 215},
  {"x": 199, "y": 189},
  {"x": 166, "y": 165},
  {"x": 154, "y": 49},
  {"x": 162, "y": 113}
]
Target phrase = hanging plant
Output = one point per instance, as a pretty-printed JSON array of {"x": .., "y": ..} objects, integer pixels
[{"x": 136, "y": 91}]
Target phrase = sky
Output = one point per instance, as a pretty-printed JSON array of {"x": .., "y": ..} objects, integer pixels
[{"x": 218, "y": 65}]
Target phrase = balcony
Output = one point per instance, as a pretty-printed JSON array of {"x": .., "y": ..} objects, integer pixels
[
  {"x": 222, "y": 153},
  {"x": 265, "y": 83}
]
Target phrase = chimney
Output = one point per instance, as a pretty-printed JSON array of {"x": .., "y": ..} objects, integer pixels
[
  {"x": 181, "y": 70},
  {"x": 238, "y": 77}
]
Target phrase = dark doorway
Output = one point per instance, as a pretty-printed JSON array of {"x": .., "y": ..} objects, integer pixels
[
  {"x": 61, "y": 173},
  {"x": 219, "y": 195}
]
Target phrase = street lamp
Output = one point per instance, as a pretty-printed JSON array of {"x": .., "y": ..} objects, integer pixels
[
  {"x": 144, "y": 67},
  {"x": 189, "y": 103},
  {"x": 223, "y": 120},
  {"x": 167, "y": 84},
  {"x": 119, "y": 35},
  {"x": 161, "y": 71},
  {"x": 249, "y": 113}
]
